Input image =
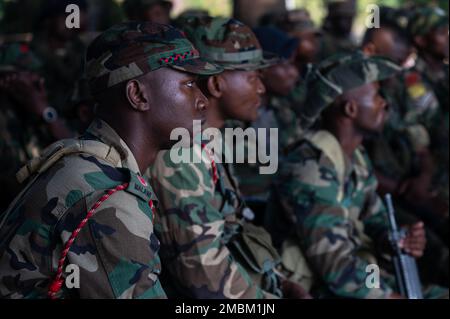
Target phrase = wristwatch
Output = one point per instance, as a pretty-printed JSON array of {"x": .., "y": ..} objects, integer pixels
[{"x": 49, "y": 115}]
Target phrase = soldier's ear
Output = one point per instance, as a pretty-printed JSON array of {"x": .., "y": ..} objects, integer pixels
[
  {"x": 215, "y": 86},
  {"x": 350, "y": 108},
  {"x": 137, "y": 95}
]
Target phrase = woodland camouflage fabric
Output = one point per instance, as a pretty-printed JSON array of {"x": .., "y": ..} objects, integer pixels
[
  {"x": 328, "y": 205},
  {"x": 196, "y": 224},
  {"x": 117, "y": 251},
  {"x": 228, "y": 43},
  {"x": 131, "y": 49}
]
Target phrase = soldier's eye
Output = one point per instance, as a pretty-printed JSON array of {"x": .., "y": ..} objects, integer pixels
[{"x": 190, "y": 84}]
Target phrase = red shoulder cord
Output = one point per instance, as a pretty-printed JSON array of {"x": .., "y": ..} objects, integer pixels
[
  {"x": 213, "y": 164},
  {"x": 57, "y": 282}
]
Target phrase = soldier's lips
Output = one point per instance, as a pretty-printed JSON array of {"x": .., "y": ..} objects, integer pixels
[{"x": 258, "y": 104}]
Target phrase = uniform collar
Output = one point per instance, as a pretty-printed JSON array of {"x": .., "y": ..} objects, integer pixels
[{"x": 105, "y": 133}]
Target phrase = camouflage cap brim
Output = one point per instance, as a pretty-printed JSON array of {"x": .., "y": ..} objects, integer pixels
[
  {"x": 197, "y": 66},
  {"x": 269, "y": 59}
]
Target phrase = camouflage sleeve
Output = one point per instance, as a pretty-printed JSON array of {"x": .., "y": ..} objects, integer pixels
[
  {"x": 117, "y": 251},
  {"x": 329, "y": 237},
  {"x": 191, "y": 229},
  {"x": 373, "y": 214},
  {"x": 374, "y": 218}
]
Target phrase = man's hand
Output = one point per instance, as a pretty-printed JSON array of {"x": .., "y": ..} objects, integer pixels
[
  {"x": 292, "y": 290},
  {"x": 414, "y": 243}
]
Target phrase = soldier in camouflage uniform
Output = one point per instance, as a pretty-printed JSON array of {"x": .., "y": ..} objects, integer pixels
[
  {"x": 207, "y": 246},
  {"x": 298, "y": 23},
  {"x": 61, "y": 51},
  {"x": 337, "y": 28},
  {"x": 25, "y": 127},
  {"x": 428, "y": 29},
  {"x": 143, "y": 78},
  {"x": 411, "y": 103},
  {"x": 326, "y": 189},
  {"x": 401, "y": 154},
  {"x": 277, "y": 111}
]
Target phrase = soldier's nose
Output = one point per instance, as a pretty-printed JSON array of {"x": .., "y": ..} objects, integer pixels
[
  {"x": 261, "y": 87},
  {"x": 203, "y": 103}
]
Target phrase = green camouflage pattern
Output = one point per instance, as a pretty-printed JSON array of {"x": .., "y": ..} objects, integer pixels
[
  {"x": 61, "y": 68},
  {"x": 327, "y": 204},
  {"x": 282, "y": 113},
  {"x": 228, "y": 43},
  {"x": 338, "y": 74},
  {"x": 132, "y": 49},
  {"x": 117, "y": 251},
  {"x": 196, "y": 224},
  {"x": 438, "y": 125},
  {"x": 18, "y": 56},
  {"x": 426, "y": 19},
  {"x": 412, "y": 109},
  {"x": 22, "y": 136}
]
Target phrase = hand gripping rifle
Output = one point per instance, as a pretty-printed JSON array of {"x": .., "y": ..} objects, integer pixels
[{"x": 406, "y": 272}]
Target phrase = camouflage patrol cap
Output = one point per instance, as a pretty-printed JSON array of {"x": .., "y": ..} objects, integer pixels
[
  {"x": 18, "y": 57},
  {"x": 339, "y": 74},
  {"x": 426, "y": 19},
  {"x": 131, "y": 49},
  {"x": 228, "y": 43}
]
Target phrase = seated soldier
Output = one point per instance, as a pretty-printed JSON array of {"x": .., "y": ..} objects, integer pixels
[
  {"x": 401, "y": 154},
  {"x": 275, "y": 112},
  {"x": 60, "y": 49},
  {"x": 298, "y": 23},
  {"x": 428, "y": 28},
  {"x": 325, "y": 200},
  {"x": 208, "y": 249},
  {"x": 86, "y": 203},
  {"x": 27, "y": 122}
]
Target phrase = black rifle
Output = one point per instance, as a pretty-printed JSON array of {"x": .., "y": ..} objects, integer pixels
[{"x": 406, "y": 272}]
